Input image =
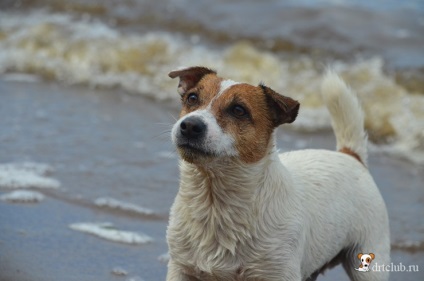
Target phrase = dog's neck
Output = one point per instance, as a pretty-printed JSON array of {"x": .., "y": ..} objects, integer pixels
[
  {"x": 228, "y": 177},
  {"x": 222, "y": 199}
]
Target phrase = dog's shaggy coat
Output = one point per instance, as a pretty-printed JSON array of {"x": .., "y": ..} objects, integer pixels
[{"x": 245, "y": 212}]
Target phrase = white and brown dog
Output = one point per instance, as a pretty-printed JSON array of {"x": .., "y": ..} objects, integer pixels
[
  {"x": 366, "y": 260},
  {"x": 245, "y": 212}
]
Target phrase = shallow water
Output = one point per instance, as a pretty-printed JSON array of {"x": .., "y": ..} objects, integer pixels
[{"x": 107, "y": 144}]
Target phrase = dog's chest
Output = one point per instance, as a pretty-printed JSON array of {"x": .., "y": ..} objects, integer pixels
[
  {"x": 208, "y": 249},
  {"x": 207, "y": 242},
  {"x": 212, "y": 227}
]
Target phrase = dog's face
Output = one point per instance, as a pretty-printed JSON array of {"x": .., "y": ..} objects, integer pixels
[
  {"x": 366, "y": 260},
  {"x": 224, "y": 119}
]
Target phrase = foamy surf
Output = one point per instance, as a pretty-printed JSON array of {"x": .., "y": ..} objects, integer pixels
[
  {"x": 22, "y": 196},
  {"x": 84, "y": 51},
  {"x": 119, "y": 271},
  {"x": 111, "y": 203},
  {"x": 27, "y": 175},
  {"x": 109, "y": 232}
]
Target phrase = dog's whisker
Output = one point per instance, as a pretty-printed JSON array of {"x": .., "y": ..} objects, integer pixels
[
  {"x": 173, "y": 117},
  {"x": 162, "y": 135}
]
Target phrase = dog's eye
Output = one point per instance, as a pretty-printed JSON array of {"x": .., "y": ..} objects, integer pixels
[
  {"x": 238, "y": 111},
  {"x": 192, "y": 99}
]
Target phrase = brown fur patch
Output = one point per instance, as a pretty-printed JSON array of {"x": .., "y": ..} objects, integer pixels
[
  {"x": 350, "y": 152},
  {"x": 206, "y": 89},
  {"x": 251, "y": 133},
  {"x": 189, "y": 77},
  {"x": 266, "y": 110}
]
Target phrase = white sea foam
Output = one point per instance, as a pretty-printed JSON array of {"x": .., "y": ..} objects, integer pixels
[
  {"x": 90, "y": 52},
  {"x": 119, "y": 271},
  {"x": 112, "y": 203},
  {"x": 22, "y": 196},
  {"x": 26, "y": 175},
  {"x": 109, "y": 232}
]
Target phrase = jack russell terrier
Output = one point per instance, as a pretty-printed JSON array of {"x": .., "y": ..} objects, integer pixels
[{"x": 245, "y": 212}]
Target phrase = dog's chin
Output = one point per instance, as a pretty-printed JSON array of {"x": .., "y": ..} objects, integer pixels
[{"x": 195, "y": 155}]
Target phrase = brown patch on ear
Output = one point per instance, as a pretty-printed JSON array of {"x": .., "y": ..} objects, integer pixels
[
  {"x": 283, "y": 109},
  {"x": 189, "y": 77},
  {"x": 359, "y": 256},
  {"x": 372, "y": 255}
]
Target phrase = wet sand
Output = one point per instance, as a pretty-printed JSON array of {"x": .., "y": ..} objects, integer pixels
[{"x": 110, "y": 144}]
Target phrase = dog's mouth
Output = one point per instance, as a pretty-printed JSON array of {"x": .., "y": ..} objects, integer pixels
[{"x": 192, "y": 153}]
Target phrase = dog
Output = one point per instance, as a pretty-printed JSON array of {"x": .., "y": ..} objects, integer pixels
[
  {"x": 245, "y": 212},
  {"x": 366, "y": 260}
]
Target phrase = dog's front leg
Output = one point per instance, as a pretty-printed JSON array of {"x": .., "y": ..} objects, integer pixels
[{"x": 175, "y": 273}]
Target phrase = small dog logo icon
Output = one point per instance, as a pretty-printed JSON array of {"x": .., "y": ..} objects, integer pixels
[{"x": 366, "y": 260}]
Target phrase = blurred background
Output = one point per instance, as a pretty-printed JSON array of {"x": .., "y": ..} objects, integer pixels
[{"x": 86, "y": 108}]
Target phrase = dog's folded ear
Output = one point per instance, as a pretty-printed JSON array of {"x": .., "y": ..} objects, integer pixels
[
  {"x": 359, "y": 255},
  {"x": 282, "y": 108},
  {"x": 372, "y": 255},
  {"x": 189, "y": 77}
]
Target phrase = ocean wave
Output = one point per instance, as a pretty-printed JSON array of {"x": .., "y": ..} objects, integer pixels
[
  {"x": 27, "y": 175},
  {"x": 111, "y": 203},
  {"x": 22, "y": 196},
  {"x": 80, "y": 50},
  {"x": 109, "y": 232}
]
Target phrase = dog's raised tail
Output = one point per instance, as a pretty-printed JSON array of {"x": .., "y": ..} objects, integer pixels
[{"x": 346, "y": 115}]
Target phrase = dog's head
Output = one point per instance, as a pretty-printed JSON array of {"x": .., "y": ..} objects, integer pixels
[
  {"x": 366, "y": 260},
  {"x": 223, "y": 119}
]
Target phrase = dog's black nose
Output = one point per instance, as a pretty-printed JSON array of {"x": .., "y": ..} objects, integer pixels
[{"x": 192, "y": 127}]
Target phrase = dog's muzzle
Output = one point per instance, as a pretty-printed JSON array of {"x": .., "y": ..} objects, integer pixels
[
  {"x": 193, "y": 128},
  {"x": 191, "y": 136}
]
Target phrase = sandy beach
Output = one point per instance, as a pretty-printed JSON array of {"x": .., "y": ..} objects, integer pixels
[{"x": 108, "y": 144}]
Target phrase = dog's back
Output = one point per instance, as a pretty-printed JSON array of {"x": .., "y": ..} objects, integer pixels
[{"x": 338, "y": 182}]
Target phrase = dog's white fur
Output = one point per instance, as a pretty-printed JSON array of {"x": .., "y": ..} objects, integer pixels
[
  {"x": 348, "y": 117},
  {"x": 286, "y": 216},
  {"x": 217, "y": 141}
]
